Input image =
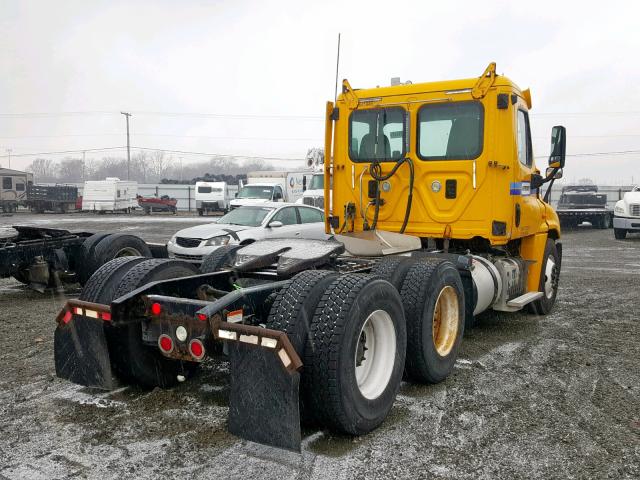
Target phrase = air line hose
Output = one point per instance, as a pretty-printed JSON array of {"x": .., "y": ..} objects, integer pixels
[{"x": 377, "y": 175}]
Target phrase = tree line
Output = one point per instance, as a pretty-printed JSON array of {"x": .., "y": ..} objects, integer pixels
[{"x": 145, "y": 167}]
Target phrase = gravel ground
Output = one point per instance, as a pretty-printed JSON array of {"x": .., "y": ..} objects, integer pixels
[{"x": 530, "y": 397}]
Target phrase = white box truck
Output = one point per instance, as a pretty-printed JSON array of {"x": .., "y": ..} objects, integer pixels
[
  {"x": 271, "y": 186},
  {"x": 212, "y": 197},
  {"x": 109, "y": 195}
]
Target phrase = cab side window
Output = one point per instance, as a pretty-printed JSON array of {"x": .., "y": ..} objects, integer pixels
[
  {"x": 277, "y": 193},
  {"x": 525, "y": 151}
]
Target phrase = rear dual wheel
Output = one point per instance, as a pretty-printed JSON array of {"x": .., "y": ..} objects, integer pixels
[
  {"x": 131, "y": 359},
  {"x": 433, "y": 298}
]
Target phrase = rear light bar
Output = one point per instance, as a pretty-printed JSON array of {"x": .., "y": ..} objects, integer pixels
[{"x": 84, "y": 309}]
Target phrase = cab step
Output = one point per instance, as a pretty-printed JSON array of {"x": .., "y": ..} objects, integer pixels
[{"x": 525, "y": 299}]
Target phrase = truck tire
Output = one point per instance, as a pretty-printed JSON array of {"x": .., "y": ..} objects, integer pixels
[
  {"x": 604, "y": 222},
  {"x": 85, "y": 266},
  {"x": 393, "y": 269},
  {"x": 355, "y": 354},
  {"x": 133, "y": 360},
  {"x": 549, "y": 277},
  {"x": 295, "y": 304},
  {"x": 218, "y": 259},
  {"x": 102, "y": 285},
  {"x": 619, "y": 233},
  {"x": 433, "y": 299},
  {"x": 119, "y": 245}
]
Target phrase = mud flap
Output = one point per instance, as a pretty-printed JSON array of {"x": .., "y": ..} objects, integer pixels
[
  {"x": 81, "y": 353},
  {"x": 263, "y": 405}
]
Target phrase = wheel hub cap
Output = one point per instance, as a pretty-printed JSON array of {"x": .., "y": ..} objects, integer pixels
[
  {"x": 445, "y": 321},
  {"x": 375, "y": 354}
]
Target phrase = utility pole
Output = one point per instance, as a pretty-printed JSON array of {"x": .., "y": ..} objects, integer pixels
[
  {"x": 83, "y": 163},
  {"x": 9, "y": 152},
  {"x": 180, "y": 168},
  {"x": 127, "y": 115}
]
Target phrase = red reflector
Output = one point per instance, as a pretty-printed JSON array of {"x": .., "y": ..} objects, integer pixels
[
  {"x": 67, "y": 317},
  {"x": 156, "y": 308},
  {"x": 165, "y": 343},
  {"x": 106, "y": 316},
  {"x": 196, "y": 348},
  {"x": 202, "y": 317}
]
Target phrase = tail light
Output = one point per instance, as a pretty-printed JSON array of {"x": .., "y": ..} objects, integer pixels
[
  {"x": 156, "y": 308},
  {"x": 196, "y": 348},
  {"x": 165, "y": 343}
]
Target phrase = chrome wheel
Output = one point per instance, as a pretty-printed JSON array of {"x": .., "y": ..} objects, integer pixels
[
  {"x": 375, "y": 354},
  {"x": 550, "y": 277}
]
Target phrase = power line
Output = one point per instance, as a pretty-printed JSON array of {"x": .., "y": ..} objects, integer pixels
[
  {"x": 224, "y": 155},
  {"x": 64, "y": 151},
  {"x": 253, "y": 157},
  {"x": 306, "y": 139},
  {"x": 224, "y": 116}
]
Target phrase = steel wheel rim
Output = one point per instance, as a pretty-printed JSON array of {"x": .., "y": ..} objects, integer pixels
[
  {"x": 445, "y": 321},
  {"x": 375, "y": 354},
  {"x": 127, "y": 252},
  {"x": 549, "y": 277}
]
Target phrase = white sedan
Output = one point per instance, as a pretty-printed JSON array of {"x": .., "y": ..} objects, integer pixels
[{"x": 247, "y": 224}]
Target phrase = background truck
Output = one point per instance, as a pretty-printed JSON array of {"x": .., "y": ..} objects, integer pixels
[
  {"x": 109, "y": 195},
  {"x": 422, "y": 244},
  {"x": 54, "y": 198},
  {"x": 212, "y": 197},
  {"x": 583, "y": 203},
  {"x": 13, "y": 188},
  {"x": 51, "y": 257},
  {"x": 627, "y": 214},
  {"x": 271, "y": 186}
]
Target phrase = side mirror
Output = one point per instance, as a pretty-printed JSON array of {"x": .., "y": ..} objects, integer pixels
[
  {"x": 277, "y": 196},
  {"x": 236, "y": 196},
  {"x": 558, "y": 174},
  {"x": 558, "y": 147},
  {"x": 276, "y": 224}
]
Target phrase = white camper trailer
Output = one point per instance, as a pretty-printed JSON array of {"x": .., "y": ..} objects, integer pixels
[
  {"x": 212, "y": 197},
  {"x": 109, "y": 195}
]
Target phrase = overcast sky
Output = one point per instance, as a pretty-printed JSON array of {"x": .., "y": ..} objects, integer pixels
[{"x": 262, "y": 71}]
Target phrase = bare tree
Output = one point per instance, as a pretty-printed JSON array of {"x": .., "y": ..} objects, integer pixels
[
  {"x": 70, "y": 170},
  {"x": 43, "y": 169}
]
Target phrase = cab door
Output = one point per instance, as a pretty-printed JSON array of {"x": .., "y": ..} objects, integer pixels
[{"x": 526, "y": 206}]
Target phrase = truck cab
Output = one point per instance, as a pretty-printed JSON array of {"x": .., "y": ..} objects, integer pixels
[
  {"x": 258, "y": 193},
  {"x": 626, "y": 213},
  {"x": 449, "y": 162}
]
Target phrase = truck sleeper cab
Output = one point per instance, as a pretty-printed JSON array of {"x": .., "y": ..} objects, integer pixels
[{"x": 436, "y": 217}]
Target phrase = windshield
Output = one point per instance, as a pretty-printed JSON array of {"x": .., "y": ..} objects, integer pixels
[
  {"x": 377, "y": 134},
  {"x": 255, "y": 191},
  {"x": 246, "y": 216},
  {"x": 317, "y": 182}
]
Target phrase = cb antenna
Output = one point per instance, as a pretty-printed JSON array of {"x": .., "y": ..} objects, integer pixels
[{"x": 335, "y": 94}]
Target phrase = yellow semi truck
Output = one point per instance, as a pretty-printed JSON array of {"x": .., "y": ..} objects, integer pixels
[{"x": 436, "y": 216}]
